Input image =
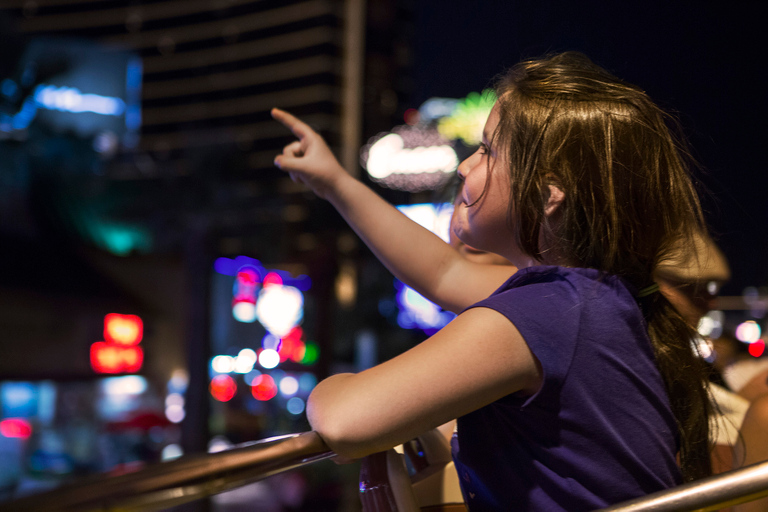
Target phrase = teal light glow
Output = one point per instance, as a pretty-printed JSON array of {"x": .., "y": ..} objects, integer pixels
[{"x": 119, "y": 239}]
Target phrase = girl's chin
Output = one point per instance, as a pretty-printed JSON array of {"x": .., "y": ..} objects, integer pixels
[{"x": 472, "y": 250}]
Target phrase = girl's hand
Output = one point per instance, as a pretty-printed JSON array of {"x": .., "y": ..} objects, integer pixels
[{"x": 308, "y": 160}]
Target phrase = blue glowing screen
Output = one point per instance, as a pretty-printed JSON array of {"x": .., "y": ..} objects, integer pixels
[{"x": 74, "y": 86}]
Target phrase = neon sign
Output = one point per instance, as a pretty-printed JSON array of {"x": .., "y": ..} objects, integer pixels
[
  {"x": 70, "y": 99},
  {"x": 412, "y": 158},
  {"x": 110, "y": 358},
  {"x": 419, "y": 156},
  {"x": 123, "y": 329},
  {"x": 120, "y": 352},
  {"x": 468, "y": 117},
  {"x": 247, "y": 281},
  {"x": 389, "y": 155},
  {"x": 414, "y": 310},
  {"x": 275, "y": 298}
]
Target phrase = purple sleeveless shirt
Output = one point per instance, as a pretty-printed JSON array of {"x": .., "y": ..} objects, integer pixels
[{"x": 599, "y": 431}]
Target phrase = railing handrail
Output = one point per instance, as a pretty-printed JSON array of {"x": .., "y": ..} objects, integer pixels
[
  {"x": 185, "y": 479},
  {"x": 194, "y": 477},
  {"x": 705, "y": 495}
]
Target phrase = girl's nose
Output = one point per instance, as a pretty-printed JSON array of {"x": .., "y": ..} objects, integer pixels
[
  {"x": 462, "y": 172},
  {"x": 465, "y": 166}
]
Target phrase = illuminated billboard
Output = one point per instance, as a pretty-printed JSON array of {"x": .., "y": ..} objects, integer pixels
[
  {"x": 74, "y": 87},
  {"x": 424, "y": 153}
]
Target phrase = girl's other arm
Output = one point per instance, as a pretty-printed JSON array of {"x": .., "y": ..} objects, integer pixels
[
  {"x": 412, "y": 253},
  {"x": 473, "y": 361}
]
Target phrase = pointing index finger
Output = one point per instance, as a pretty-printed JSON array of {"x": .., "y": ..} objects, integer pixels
[{"x": 293, "y": 123}]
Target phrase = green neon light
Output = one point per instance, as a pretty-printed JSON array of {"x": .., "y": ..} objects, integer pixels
[
  {"x": 311, "y": 353},
  {"x": 467, "y": 120}
]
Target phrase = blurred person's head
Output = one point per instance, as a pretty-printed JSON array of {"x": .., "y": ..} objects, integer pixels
[{"x": 691, "y": 276}]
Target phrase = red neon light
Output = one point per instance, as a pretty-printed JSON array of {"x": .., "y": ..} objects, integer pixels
[
  {"x": 272, "y": 278},
  {"x": 133, "y": 357},
  {"x": 757, "y": 348},
  {"x": 246, "y": 282},
  {"x": 223, "y": 388},
  {"x": 123, "y": 329},
  {"x": 292, "y": 346},
  {"x": 247, "y": 276},
  {"x": 109, "y": 358},
  {"x": 16, "y": 427}
]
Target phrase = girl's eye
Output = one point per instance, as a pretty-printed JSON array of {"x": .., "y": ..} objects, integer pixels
[{"x": 484, "y": 150}]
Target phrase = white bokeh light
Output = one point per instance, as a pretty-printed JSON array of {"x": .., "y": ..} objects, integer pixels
[
  {"x": 269, "y": 358},
  {"x": 219, "y": 444},
  {"x": 223, "y": 364},
  {"x": 289, "y": 386},
  {"x": 748, "y": 332},
  {"x": 244, "y": 312},
  {"x": 280, "y": 308},
  {"x": 172, "y": 451},
  {"x": 245, "y": 360},
  {"x": 175, "y": 413},
  {"x": 389, "y": 155},
  {"x": 174, "y": 399}
]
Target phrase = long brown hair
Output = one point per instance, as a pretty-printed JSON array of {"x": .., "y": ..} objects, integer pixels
[{"x": 629, "y": 198}]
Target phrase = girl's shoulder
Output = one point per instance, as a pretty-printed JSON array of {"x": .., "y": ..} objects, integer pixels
[
  {"x": 540, "y": 288},
  {"x": 567, "y": 285},
  {"x": 541, "y": 274}
]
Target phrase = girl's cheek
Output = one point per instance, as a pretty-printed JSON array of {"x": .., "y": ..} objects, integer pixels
[{"x": 462, "y": 220}]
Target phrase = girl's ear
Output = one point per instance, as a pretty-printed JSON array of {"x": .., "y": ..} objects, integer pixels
[{"x": 556, "y": 197}]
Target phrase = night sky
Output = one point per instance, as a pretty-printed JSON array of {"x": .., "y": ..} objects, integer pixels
[{"x": 703, "y": 60}]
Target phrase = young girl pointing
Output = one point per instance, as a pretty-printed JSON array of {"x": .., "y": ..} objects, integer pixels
[{"x": 574, "y": 382}]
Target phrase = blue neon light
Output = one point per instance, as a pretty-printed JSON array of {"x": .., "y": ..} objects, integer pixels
[
  {"x": 70, "y": 99},
  {"x": 63, "y": 99},
  {"x": 24, "y": 117},
  {"x": 417, "y": 312},
  {"x": 133, "y": 94}
]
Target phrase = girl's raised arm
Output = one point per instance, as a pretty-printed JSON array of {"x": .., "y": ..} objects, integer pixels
[{"x": 412, "y": 253}]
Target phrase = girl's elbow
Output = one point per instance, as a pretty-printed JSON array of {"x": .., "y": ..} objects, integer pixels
[
  {"x": 345, "y": 445},
  {"x": 342, "y": 433}
]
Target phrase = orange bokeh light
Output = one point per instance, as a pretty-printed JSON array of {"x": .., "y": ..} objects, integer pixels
[
  {"x": 109, "y": 358},
  {"x": 292, "y": 346},
  {"x": 123, "y": 329}
]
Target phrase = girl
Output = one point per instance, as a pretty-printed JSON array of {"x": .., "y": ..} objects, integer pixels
[{"x": 574, "y": 383}]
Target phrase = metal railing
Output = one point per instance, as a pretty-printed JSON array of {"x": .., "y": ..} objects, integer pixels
[
  {"x": 190, "y": 478},
  {"x": 705, "y": 495}
]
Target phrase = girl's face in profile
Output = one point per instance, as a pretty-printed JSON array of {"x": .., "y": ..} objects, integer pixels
[
  {"x": 467, "y": 251},
  {"x": 480, "y": 216}
]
